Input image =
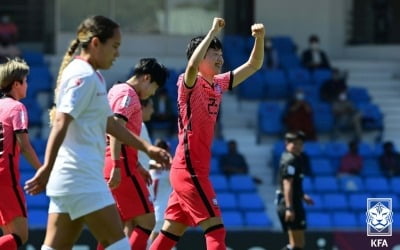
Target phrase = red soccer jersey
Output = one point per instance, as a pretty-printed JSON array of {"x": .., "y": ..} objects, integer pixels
[
  {"x": 125, "y": 103},
  {"x": 13, "y": 119},
  {"x": 198, "y": 109}
]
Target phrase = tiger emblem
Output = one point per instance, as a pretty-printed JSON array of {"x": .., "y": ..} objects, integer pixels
[{"x": 379, "y": 217}]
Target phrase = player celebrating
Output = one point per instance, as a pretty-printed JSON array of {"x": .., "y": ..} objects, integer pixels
[{"x": 193, "y": 200}]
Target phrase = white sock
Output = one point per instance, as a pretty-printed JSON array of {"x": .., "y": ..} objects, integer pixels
[
  {"x": 122, "y": 244},
  {"x": 44, "y": 247}
]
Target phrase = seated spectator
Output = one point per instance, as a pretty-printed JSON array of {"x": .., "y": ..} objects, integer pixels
[
  {"x": 233, "y": 162},
  {"x": 8, "y": 38},
  {"x": 352, "y": 162},
  {"x": 332, "y": 88},
  {"x": 271, "y": 60},
  {"x": 164, "y": 113},
  {"x": 314, "y": 57},
  {"x": 389, "y": 160},
  {"x": 346, "y": 116},
  {"x": 299, "y": 116}
]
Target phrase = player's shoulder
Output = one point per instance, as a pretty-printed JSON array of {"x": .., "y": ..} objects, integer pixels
[
  {"x": 287, "y": 158},
  {"x": 79, "y": 69}
]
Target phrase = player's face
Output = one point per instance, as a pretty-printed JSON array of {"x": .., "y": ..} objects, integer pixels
[
  {"x": 149, "y": 90},
  {"x": 22, "y": 87},
  {"x": 109, "y": 50},
  {"x": 295, "y": 147},
  {"x": 214, "y": 61}
]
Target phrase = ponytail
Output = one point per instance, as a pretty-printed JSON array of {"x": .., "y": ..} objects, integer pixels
[{"x": 66, "y": 60}]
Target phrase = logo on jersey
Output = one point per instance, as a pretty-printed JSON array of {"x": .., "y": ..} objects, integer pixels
[
  {"x": 291, "y": 170},
  {"x": 379, "y": 217},
  {"x": 126, "y": 100},
  {"x": 214, "y": 201}
]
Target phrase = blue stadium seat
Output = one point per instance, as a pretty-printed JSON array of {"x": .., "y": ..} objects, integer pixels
[
  {"x": 283, "y": 44},
  {"x": 33, "y": 58},
  {"x": 34, "y": 111},
  {"x": 24, "y": 165},
  {"x": 39, "y": 145},
  {"x": 39, "y": 79},
  {"x": 395, "y": 184},
  {"x": 319, "y": 220},
  {"x": 227, "y": 201},
  {"x": 257, "y": 219},
  {"x": 321, "y": 166},
  {"x": 269, "y": 120},
  {"x": 371, "y": 168},
  {"x": 241, "y": 183},
  {"x": 358, "y": 201},
  {"x": 366, "y": 150},
  {"x": 219, "y": 182},
  {"x": 377, "y": 185},
  {"x": 313, "y": 149},
  {"x": 277, "y": 150},
  {"x": 37, "y": 218},
  {"x": 325, "y": 184},
  {"x": 335, "y": 151},
  {"x": 299, "y": 77},
  {"x": 308, "y": 185},
  {"x": 277, "y": 85},
  {"x": 289, "y": 61},
  {"x": 233, "y": 219},
  {"x": 214, "y": 166},
  {"x": 372, "y": 116},
  {"x": 351, "y": 183},
  {"x": 335, "y": 201},
  {"x": 344, "y": 220},
  {"x": 323, "y": 117},
  {"x": 40, "y": 201},
  {"x": 219, "y": 147},
  {"x": 319, "y": 76},
  {"x": 318, "y": 202},
  {"x": 250, "y": 202},
  {"x": 358, "y": 95},
  {"x": 254, "y": 87}
]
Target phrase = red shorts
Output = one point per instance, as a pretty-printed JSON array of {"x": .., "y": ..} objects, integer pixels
[
  {"x": 132, "y": 197},
  {"x": 192, "y": 200},
  {"x": 12, "y": 204}
]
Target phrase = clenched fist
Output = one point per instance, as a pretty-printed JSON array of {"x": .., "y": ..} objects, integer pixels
[
  {"x": 257, "y": 30},
  {"x": 218, "y": 24}
]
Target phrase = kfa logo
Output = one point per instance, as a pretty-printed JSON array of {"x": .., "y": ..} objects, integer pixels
[
  {"x": 379, "y": 216},
  {"x": 379, "y": 220}
]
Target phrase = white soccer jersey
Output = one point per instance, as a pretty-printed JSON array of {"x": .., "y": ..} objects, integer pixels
[{"x": 79, "y": 164}]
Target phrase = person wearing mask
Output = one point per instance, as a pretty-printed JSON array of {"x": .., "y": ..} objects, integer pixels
[
  {"x": 299, "y": 116},
  {"x": 290, "y": 195},
  {"x": 314, "y": 57},
  {"x": 346, "y": 116}
]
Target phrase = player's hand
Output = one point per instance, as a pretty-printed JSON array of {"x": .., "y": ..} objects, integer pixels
[
  {"x": 308, "y": 199},
  {"x": 115, "y": 178},
  {"x": 38, "y": 182},
  {"x": 289, "y": 215},
  {"x": 160, "y": 155},
  {"x": 218, "y": 24},
  {"x": 145, "y": 174},
  {"x": 257, "y": 30}
]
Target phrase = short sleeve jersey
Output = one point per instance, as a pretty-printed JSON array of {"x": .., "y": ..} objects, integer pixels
[
  {"x": 291, "y": 167},
  {"x": 80, "y": 159},
  {"x": 198, "y": 108},
  {"x": 13, "y": 119},
  {"x": 125, "y": 104}
]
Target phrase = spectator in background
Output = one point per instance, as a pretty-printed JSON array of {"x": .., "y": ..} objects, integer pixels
[
  {"x": 271, "y": 60},
  {"x": 299, "y": 116},
  {"x": 352, "y": 162},
  {"x": 233, "y": 162},
  {"x": 164, "y": 113},
  {"x": 332, "y": 88},
  {"x": 8, "y": 38},
  {"x": 389, "y": 160},
  {"x": 314, "y": 57},
  {"x": 346, "y": 116}
]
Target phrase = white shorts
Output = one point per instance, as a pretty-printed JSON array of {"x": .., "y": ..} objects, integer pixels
[
  {"x": 78, "y": 205},
  {"x": 161, "y": 189}
]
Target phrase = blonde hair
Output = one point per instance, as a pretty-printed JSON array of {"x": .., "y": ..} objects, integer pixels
[
  {"x": 13, "y": 70},
  {"x": 95, "y": 26}
]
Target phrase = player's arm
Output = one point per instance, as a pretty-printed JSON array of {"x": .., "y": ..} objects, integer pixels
[
  {"x": 200, "y": 52},
  {"x": 115, "y": 149},
  {"x": 256, "y": 58},
  {"x": 287, "y": 195},
  {"x": 56, "y": 137},
  {"x": 27, "y": 150},
  {"x": 125, "y": 136}
]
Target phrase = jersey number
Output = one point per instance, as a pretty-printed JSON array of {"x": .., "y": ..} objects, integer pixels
[{"x": 212, "y": 106}]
